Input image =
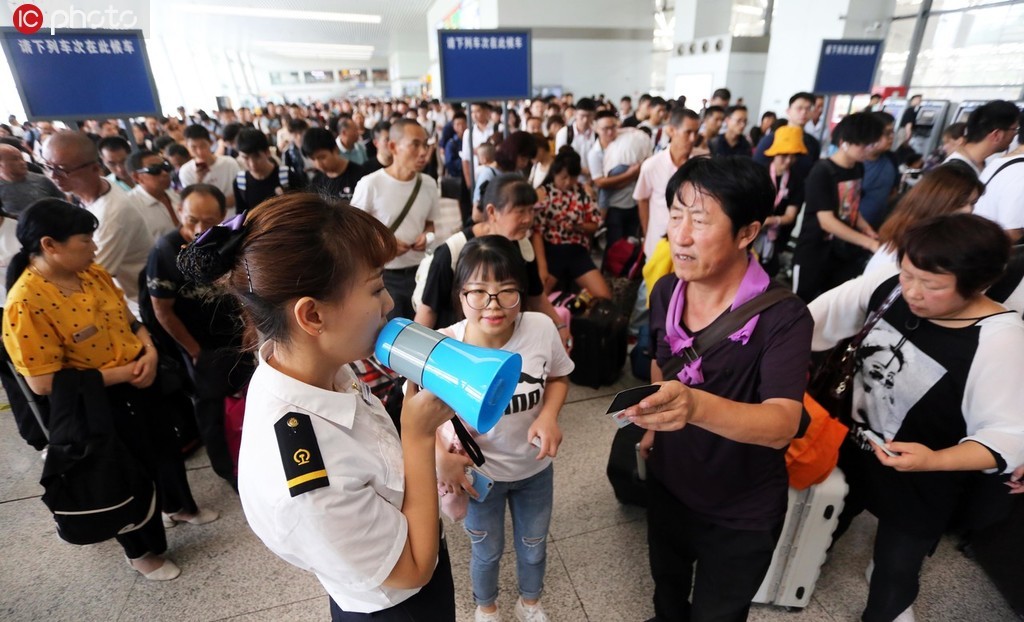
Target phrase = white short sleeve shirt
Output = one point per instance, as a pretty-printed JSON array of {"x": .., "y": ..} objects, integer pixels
[
  {"x": 383, "y": 196},
  {"x": 510, "y": 456},
  {"x": 122, "y": 238},
  {"x": 351, "y": 532},
  {"x": 654, "y": 175},
  {"x": 1003, "y": 201},
  {"x": 222, "y": 174}
]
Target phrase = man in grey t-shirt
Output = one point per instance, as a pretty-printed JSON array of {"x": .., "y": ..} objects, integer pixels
[{"x": 20, "y": 188}]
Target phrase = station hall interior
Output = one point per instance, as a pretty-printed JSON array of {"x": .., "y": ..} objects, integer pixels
[{"x": 215, "y": 55}]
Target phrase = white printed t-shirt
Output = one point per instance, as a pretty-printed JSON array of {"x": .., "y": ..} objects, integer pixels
[{"x": 510, "y": 456}]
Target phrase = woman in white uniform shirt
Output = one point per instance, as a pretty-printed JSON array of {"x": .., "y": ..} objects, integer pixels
[{"x": 325, "y": 480}]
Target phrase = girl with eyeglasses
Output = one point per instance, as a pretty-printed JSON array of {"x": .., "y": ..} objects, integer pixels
[{"x": 490, "y": 279}]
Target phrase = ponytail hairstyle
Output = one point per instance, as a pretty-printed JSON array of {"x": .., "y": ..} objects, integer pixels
[
  {"x": 46, "y": 218},
  {"x": 290, "y": 246},
  {"x": 565, "y": 160}
]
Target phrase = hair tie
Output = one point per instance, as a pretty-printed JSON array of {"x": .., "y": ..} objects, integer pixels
[
  {"x": 225, "y": 237},
  {"x": 213, "y": 253}
]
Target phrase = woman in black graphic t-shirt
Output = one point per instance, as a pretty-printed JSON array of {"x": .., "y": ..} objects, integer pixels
[
  {"x": 938, "y": 381},
  {"x": 834, "y": 243}
]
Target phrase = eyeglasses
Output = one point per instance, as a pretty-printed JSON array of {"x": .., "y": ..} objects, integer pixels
[
  {"x": 480, "y": 299},
  {"x": 60, "y": 171},
  {"x": 156, "y": 169}
]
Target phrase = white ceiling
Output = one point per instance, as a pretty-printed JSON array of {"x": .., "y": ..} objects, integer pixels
[{"x": 311, "y": 37}]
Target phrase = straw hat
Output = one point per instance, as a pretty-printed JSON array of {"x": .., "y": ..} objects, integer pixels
[{"x": 789, "y": 139}]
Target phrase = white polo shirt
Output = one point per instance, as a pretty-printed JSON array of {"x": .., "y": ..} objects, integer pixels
[
  {"x": 158, "y": 220},
  {"x": 349, "y": 531}
]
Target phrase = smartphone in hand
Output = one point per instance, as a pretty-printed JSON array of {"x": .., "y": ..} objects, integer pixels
[
  {"x": 480, "y": 483},
  {"x": 627, "y": 398},
  {"x": 877, "y": 440}
]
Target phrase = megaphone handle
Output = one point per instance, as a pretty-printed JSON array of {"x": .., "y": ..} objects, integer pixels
[{"x": 468, "y": 444}]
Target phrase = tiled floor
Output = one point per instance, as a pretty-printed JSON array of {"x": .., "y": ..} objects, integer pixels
[{"x": 597, "y": 556}]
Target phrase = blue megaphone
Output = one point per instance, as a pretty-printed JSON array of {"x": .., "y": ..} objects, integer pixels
[{"x": 476, "y": 382}]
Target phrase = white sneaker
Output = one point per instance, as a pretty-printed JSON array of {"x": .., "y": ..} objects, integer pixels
[
  {"x": 530, "y": 613},
  {"x": 483, "y": 616}
]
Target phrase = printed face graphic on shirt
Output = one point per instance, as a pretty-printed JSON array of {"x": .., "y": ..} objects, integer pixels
[
  {"x": 849, "y": 201},
  {"x": 892, "y": 376}
]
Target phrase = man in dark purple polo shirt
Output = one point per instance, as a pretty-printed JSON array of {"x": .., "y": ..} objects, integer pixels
[{"x": 717, "y": 434}]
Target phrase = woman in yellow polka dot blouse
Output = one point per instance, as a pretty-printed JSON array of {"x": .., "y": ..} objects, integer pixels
[{"x": 64, "y": 311}]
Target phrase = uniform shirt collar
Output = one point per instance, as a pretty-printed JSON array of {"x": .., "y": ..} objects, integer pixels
[{"x": 334, "y": 406}]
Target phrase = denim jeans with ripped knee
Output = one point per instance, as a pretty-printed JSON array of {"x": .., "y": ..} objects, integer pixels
[{"x": 530, "y": 502}]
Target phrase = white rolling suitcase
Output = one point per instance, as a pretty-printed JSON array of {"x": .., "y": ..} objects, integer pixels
[{"x": 806, "y": 535}]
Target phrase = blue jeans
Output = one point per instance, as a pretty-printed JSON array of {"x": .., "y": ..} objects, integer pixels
[{"x": 530, "y": 502}]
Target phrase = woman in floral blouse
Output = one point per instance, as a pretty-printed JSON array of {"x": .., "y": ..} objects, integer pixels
[{"x": 563, "y": 226}]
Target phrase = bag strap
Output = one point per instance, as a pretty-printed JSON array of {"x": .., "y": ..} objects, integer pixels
[
  {"x": 874, "y": 317},
  {"x": 468, "y": 444},
  {"x": 847, "y": 359},
  {"x": 408, "y": 204},
  {"x": 1002, "y": 168},
  {"x": 724, "y": 326}
]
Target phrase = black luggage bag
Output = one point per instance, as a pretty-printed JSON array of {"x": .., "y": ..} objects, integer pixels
[{"x": 599, "y": 337}]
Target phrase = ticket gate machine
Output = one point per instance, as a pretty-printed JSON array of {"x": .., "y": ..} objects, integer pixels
[
  {"x": 928, "y": 125},
  {"x": 896, "y": 107},
  {"x": 965, "y": 109}
]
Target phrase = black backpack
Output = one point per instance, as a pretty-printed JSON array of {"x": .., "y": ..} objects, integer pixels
[{"x": 93, "y": 486}]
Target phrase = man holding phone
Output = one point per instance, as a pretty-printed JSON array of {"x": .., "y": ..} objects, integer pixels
[
  {"x": 717, "y": 432},
  {"x": 206, "y": 167}
]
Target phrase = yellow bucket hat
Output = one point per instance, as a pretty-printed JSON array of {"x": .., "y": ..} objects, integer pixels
[{"x": 789, "y": 139}]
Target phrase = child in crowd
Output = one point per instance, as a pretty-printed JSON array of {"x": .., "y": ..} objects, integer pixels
[
  {"x": 491, "y": 282},
  {"x": 486, "y": 169},
  {"x": 563, "y": 227}
]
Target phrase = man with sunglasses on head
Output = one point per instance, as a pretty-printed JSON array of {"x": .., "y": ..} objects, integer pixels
[
  {"x": 123, "y": 240},
  {"x": 157, "y": 203}
]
